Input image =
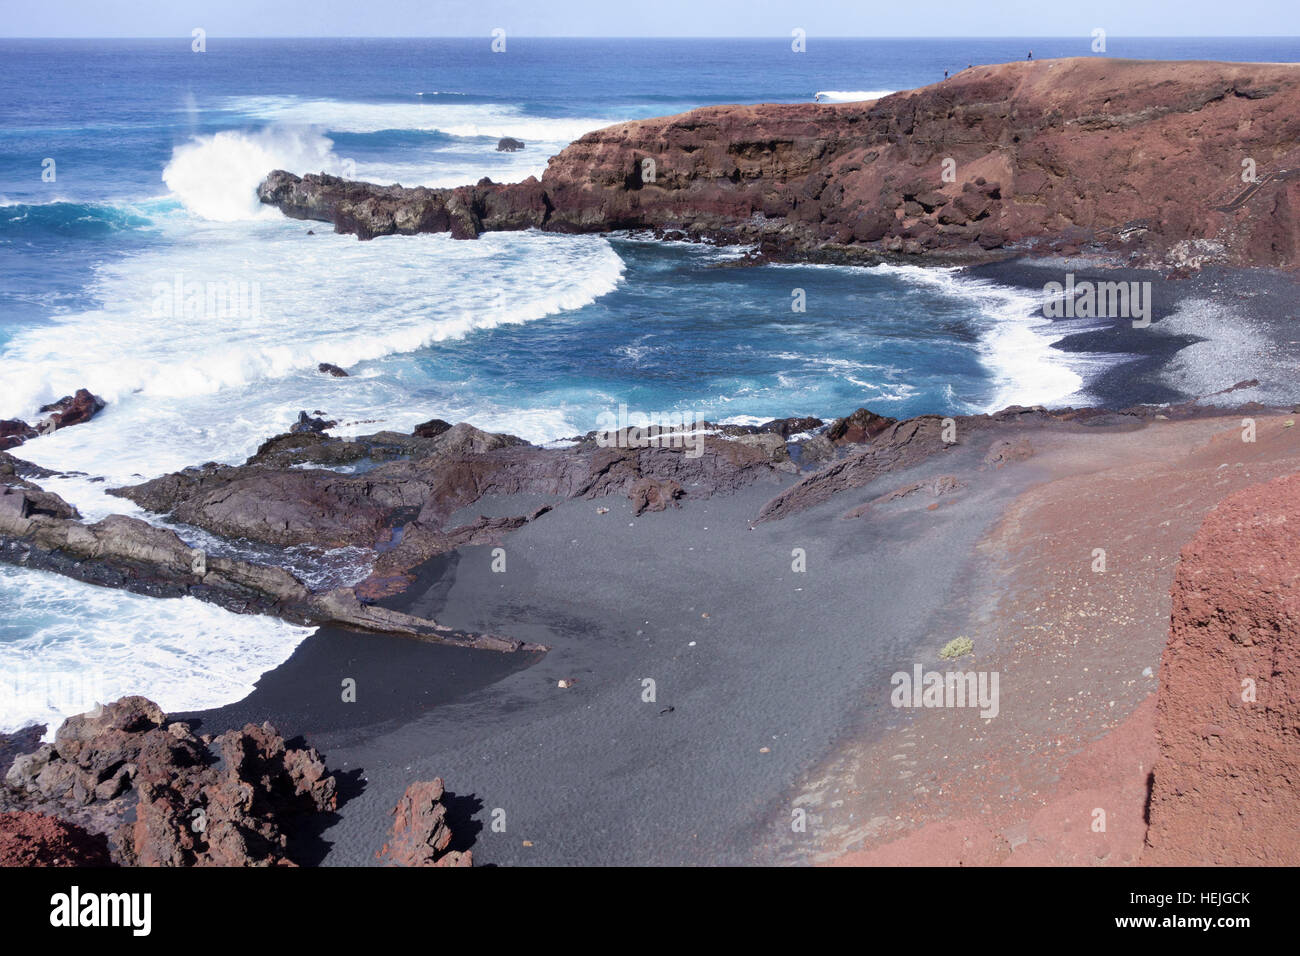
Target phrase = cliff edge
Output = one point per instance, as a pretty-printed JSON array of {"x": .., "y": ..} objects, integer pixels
[{"x": 1171, "y": 164}]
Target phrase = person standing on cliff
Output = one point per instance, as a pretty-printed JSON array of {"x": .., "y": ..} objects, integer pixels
[{"x": 1031, "y": 55}]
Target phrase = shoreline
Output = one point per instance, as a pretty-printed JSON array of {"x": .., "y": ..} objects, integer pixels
[{"x": 426, "y": 710}]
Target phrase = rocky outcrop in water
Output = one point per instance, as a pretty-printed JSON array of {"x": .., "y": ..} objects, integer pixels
[
  {"x": 40, "y": 530},
  {"x": 1172, "y": 164},
  {"x": 69, "y": 410},
  {"x": 73, "y": 409},
  {"x": 1224, "y": 788}
]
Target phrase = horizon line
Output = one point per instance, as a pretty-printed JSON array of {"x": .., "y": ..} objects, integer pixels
[{"x": 762, "y": 36}]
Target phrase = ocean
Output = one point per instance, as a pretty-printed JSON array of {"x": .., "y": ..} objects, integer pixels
[{"x": 128, "y": 172}]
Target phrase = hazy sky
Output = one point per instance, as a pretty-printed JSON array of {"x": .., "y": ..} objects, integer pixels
[{"x": 956, "y": 18}]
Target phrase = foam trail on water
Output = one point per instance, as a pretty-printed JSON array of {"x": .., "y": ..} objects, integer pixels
[
  {"x": 1016, "y": 346},
  {"x": 491, "y": 120}
]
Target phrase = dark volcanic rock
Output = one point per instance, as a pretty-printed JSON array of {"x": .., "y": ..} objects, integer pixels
[
  {"x": 332, "y": 369},
  {"x": 306, "y": 423},
  {"x": 269, "y": 501},
  {"x": 367, "y": 210},
  {"x": 863, "y": 425},
  {"x": 431, "y": 429},
  {"x": 124, "y": 552},
  {"x": 420, "y": 835},
  {"x": 508, "y": 144},
  {"x": 785, "y": 427}
]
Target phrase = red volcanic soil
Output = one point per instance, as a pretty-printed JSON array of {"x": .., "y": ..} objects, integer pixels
[
  {"x": 1082, "y": 727},
  {"x": 34, "y": 839}
]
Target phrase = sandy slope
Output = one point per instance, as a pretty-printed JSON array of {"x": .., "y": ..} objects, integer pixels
[{"x": 1075, "y": 732}]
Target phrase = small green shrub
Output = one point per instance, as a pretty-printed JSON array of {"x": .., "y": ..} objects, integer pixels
[{"x": 957, "y": 647}]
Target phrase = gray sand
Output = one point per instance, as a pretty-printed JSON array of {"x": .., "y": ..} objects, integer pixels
[{"x": 785, "y": 661}]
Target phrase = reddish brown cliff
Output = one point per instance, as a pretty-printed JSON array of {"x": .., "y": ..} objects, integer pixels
[
  {"x": 1141, "y": 158},
  {"x": 1228, "y": 713}
]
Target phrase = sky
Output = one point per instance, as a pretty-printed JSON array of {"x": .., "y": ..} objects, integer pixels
[{"x": 645, "y": 18}]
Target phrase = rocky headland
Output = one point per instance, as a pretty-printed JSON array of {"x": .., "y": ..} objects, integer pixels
[{"x": 1172, "y": 165}]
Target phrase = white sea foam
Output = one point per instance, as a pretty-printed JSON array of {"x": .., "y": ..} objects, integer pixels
[
  {"x": 216, "y": 176},
  {"x": 182, "y": 391},
  {"x": 65, "y": 646},
  {"x": 850, "y": 96},
  {"x": 491, "y": 120},
  {"x": 1016, "y": 345}
]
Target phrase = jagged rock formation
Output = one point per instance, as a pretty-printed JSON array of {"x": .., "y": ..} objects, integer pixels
[
  {"x": 403, "y": 505},
  {"x": 421, "y": 835},
  {"x": 230, "y": 801},
  {"x": 1141, "y": 159},
  {"x": 1228, "y": 711}
]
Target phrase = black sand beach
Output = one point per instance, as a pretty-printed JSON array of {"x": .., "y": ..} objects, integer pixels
[{"x": 759, "y": 672}]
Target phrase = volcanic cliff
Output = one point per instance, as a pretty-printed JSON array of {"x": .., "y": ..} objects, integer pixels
[{"x": 1158, "y": 163}]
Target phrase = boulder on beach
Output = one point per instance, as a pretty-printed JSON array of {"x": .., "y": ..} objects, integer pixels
[{"x": 420, "y": 835}]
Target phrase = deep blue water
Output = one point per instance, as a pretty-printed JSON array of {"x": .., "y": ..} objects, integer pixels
[{"x": 157, "y": 151}]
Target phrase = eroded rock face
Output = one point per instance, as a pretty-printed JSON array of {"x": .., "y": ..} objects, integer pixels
[
  {"x": 1224, "y": 789},
  {"x": 421, "y": 835},
  {"x": 404, "y": 504},
  {"x": 232, "y": 801},
  {"x": 237, "y": 812},
  {"x": 1138, "y": 158}
]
